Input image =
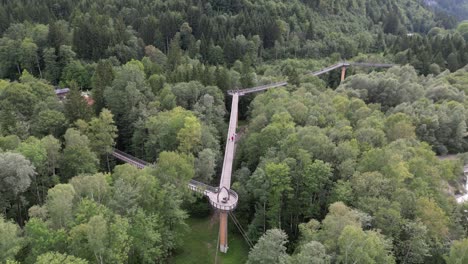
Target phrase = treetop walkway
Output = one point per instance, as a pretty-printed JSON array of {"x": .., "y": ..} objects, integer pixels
[{"x": 223, "y": 198}]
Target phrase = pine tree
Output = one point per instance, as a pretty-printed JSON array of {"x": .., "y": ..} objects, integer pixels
[
  {"x": 293, "y": 77},
  {"x": 246, "y": 74},
  {"x": 76, "y": 106},
  {"x": 174, "y": 55},
  {"x": 103, "y": 77}
]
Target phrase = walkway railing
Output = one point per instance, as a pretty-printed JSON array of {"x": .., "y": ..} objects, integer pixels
[
  {"x": 193, "y": 184},
  {"x": 314, "y": 73},
  {"x": 229, "y": 207},
  {"x": 201, "y": 187},
  {"x": 329, "y": 68},
  {"x": 257, "y": 88},
  {"x": 129, "y": 159}
]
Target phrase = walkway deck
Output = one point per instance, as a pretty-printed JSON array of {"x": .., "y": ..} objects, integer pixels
[
  {"x": 314, "y": 73},
  {"x": 230, "y": 145}
]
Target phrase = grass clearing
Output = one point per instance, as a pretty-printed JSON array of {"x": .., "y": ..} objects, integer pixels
[{"x": 200, "y": 244}]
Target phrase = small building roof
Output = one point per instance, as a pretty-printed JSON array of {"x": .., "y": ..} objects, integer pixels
[{"x": 62, "y": 91}]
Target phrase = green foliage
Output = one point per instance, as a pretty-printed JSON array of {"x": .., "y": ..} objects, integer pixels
[
  {"x": 20, "y": 104},
  {"x": 58, "y": 258},
  {"x": 10, "y": 240},
  {"x": 172, "y": 130},
  {"x": 9, "y": 142},
  {"x": 41, "y": 239},
  {"x": 59, "y": 205},
  {"x": 205, "y": 165},
  {"x": 128, "y": 91},
  {"x": 414, "y": 247},
  {"x": 92, "y": 218},
  {"x": 52, "y": 147},
  {"x": 75, "y": 71},
  {"x": 270, "y": 248},
  {"x": 76, "y": 106},
  {"x": 102, "y": 77},
  {"x": 345, "y": 150},
  {"x": 102, "y": 133},
  {"x": 344, "y": 173},
  {"x": 175, "y": 168},
  {"x": 312, "y": 252},
  {"x": 49, "y": 122},
  {"x": 246, "y": 31},
  {"x": 360, "y": 246},
  {"x": 77, "y": 156},
  {"x": 15, "y": 178},
  {"x": 439, "y": 123},
  {"x": 458, "y": 252}
]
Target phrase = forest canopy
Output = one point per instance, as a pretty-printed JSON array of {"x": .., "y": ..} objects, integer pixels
[{"x": 326, "y": 170}]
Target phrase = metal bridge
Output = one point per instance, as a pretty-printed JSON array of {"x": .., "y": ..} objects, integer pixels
[
  {"x": 342, "y": 65},
  {"x": 223, "y": 198},
  {"x": 193, "y": 184}
]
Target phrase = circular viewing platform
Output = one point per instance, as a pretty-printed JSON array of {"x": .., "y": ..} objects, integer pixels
[{"x": 225, "y": 199}]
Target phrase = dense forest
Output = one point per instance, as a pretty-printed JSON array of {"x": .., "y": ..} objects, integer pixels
[
  {"x": 458, "y": 8},
  {"x": 326, "y": 171}
]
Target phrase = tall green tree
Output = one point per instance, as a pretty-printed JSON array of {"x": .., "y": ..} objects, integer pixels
[
  {"x": 15, "y": 178},
  {"x": 53, "y": 148},
  {"x": 174, "y": 55},
  {"x": 312, "y": 252},
  {"x": 458, "y": 252},
  {"x": 41, "y": 239},
  {"x": 59, "y": 258},
  {"x": 358, "y": 246},
  {"x": 59, "y": 205},
  {"x": 10, "y": 240},
  {"x": 279, "y": 179},
  {"x": 75, "y": 71},
  {"x": 33, "y": 149},
  {"x": 128, "y": 92},
  {"x": 101, "y": 133},
  {"x": 49, "y": 122},
  {"x": 77, "y": 155},
  {"x": 102, "y": 77},
  {"x": 270, "y": 248},
  {"x": 76, "y": 107}
]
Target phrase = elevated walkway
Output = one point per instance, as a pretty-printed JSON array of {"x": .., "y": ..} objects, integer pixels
[
  {"x": 339, "y": 65},
  {"x": 216, "y": 195},
  {"x": 223, "y": 198}
]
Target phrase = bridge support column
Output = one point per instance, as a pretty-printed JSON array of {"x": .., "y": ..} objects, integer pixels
[
  {"x": 223, "y": 232},
  {"x": 343, "y": 73}
]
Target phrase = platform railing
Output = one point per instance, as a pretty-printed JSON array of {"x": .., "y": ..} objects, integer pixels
[{"x": 230, "y": 207}]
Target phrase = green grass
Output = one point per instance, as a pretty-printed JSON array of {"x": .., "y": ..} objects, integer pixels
[{"x": 200, "y": 244}]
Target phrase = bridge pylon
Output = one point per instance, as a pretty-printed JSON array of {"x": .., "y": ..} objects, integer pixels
[
  {"x": 343, "y": 73},
  {"x": 223, "y": 231}
]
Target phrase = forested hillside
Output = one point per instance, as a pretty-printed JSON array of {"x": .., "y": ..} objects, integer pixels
[
  {"x": 458, "y": 8},
  {"x": 60, "y": 39},
  {"x": 327, "y": 171}
]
